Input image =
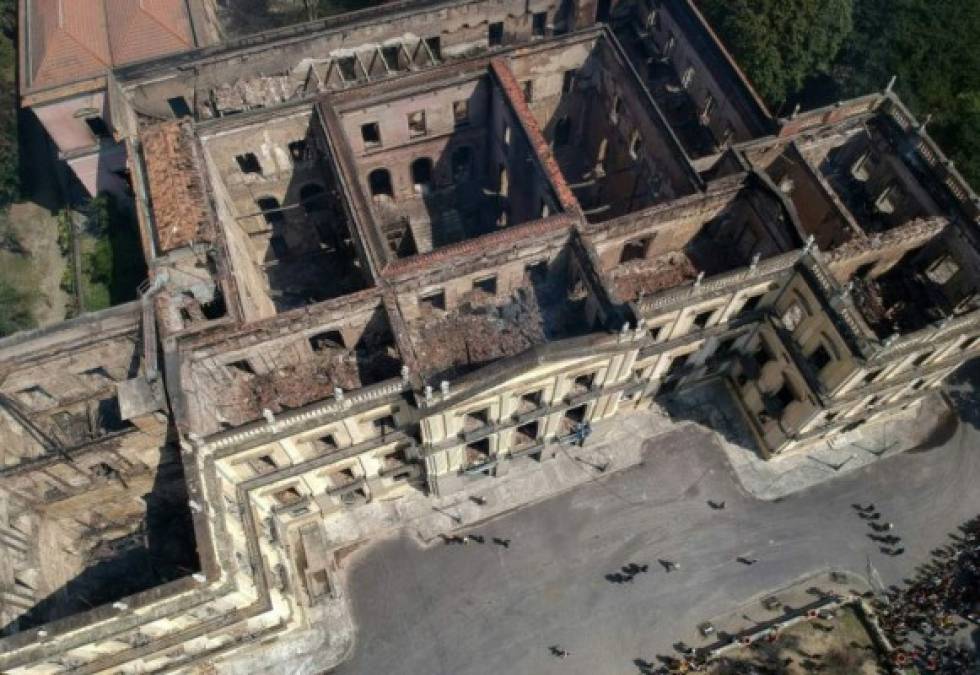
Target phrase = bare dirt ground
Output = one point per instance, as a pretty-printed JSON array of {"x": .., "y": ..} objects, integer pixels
[
  {"x": 39, "y": 266},
  {"x": 837, "y": 647}
]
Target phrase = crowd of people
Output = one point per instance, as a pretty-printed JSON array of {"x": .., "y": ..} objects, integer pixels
[{"x": 927, "y": 619}]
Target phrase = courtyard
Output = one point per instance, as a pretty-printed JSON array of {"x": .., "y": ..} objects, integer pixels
[{"x": 545, "y": 576}]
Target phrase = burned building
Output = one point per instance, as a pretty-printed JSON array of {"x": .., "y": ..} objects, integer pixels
[{"x": 413, "y": 248}]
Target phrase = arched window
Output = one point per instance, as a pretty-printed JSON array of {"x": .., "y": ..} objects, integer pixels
[
  {"x": 271, "y": 210},
  {"x": 503, "y": 184},
  {"x": 311, "y": 196},
  {"x": 380, "y": 183},
  {"x": 462, "y": 163},
  {"x": 422, "y": 174}
]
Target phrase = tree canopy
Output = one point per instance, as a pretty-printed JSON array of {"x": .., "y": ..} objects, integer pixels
[
  {"x": 9, "y": 160},
  {"x": 15, "y": 310},
  {"x": 821, "y": 51},
  {"x": 780, "y": 43},
  {"x": 930, "y": 45}
]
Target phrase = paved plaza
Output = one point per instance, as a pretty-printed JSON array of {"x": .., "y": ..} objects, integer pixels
[{"x": 483, "y": 608}]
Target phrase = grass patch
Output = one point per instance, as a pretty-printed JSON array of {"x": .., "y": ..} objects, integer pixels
[
  {"x": 112, "y": 256},
  {"x": 17, "y": 282}
]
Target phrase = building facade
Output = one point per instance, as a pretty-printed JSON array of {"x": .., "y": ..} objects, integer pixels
[{"x": 414, "y": 248}]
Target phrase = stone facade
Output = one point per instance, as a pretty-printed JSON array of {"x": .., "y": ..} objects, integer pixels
[{"x": 440, "y": 240}]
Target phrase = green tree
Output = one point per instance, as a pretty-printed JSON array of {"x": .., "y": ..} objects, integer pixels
[
  {"x": 9, "y": 161},
  {"x": 780, "y": 43},
  {"x": 930, "y": 46},
  {"x": 15, "y": 309}
]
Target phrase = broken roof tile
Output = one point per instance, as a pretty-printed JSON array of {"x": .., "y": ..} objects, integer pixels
[{"x": 176, "y": 186}]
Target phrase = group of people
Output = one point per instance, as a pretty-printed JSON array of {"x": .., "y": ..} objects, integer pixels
[{"x": 925, "y": 619}]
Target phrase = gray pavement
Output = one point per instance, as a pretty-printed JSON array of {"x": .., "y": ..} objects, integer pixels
[{"x": 482, "y": 608}]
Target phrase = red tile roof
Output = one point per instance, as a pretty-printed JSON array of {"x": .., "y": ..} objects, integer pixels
[
  {"x": 71, "y": 40},
  {"x": 176, "y": 187},
  {"x": 143, "y": 29}
]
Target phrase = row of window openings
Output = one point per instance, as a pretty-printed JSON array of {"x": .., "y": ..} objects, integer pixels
[
  {"x": 248, "y": 162},
  {"x": 395, "y": 57},
  {"x": 417, "y": 126},
  {"x": 379, "y": 180},
  {"x": 344, "y": 477},
  {"x": 871, "y": 402},
  {"x": 437, "y": 299},
  {"x": 393, "y": 54},
  {"x": 529, "y": 402},
  {"x": 702, "y": 319},
  {"x": 310, "y": 198},
  {"x": 478, "y": 452},
  {"x": 323, "y": 444},
  {"x": 416, "y": 120}
]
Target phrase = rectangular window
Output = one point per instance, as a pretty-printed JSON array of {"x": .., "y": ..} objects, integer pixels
[
  {"x": 751, "y": 304},
  {"x": 701, "y": 320},
  {"x": 178, "y": 106},
  {"x": 495, "y": 34},
  {"x": 416, "y": 123},
  {"x": 477, "y": 453},
  {"x": 487, "y": 285},
  {"x": 530, "y": 401},
  {"x": 526, "y": 434},
  {"x": 635, "y": 249},
  {"x": 539, "y": 23},
  {"x": 921, "y": 358},
  {"x": 476, "y": 419},
  {"x": 288, "y": 496},
  {"x": 784, "y": 396},
  {"x": 568, "y": 81},
  {"x": 677, "y": 365},
  {"x": 820, "y": 358},
  {"x": 709, "y": 106},
  {"x": 242, "y": 366},
  {"x": 392, "y": 57},
  {"x": 435, "y": 47},
  {"x": 583, "y": 383},
  {"x": 461, "y": 113},
  {"x": 326, "y": 341},
  {"x": 325, "y": 443},
  {"x": 528, "y": 87},
  {"x": 383, "y": 425},
  {"x": 371, "y": 134},
  {"x": 636, "y": 142},
  {"x": 98, "y": 127},
  {"x": 793, "y": 316},
  {"x": 249, "y": 163},
  {"x": 297, "y": 150},
  {"x": 348, "y": 68},
  {"x": 343, "y": 477},
  {"x": 263, "y": 464},
  {"x": 563, "y": 129},
  {"x": 436, "y": 300}
]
